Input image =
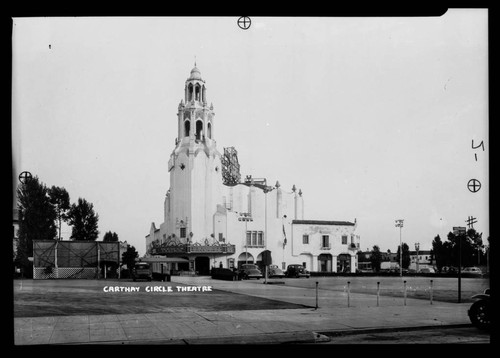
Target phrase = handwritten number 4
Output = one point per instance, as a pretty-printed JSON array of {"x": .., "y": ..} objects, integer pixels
[{"x": 480, "y": 145}]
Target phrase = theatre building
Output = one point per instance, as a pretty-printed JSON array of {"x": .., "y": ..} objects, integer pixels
[{"x": 214, "y": 218}]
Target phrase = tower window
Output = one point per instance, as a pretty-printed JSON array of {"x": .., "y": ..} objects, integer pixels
[
  {"x": 197, "y": 90},
  {"x": 187, "y": 126},
  {"x": 305, "y": 239},
  {"x": 183, "y": 232},
  {"x": 209, "y": 130},
  {"x": 199, "y": 129},
  {"x": 190, "y": 92},
  {"x": 344, "y": 239}
]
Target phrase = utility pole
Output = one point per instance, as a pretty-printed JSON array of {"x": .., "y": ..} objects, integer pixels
[{"x": 399, "y": 223}]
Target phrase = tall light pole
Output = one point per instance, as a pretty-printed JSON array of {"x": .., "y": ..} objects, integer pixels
[
  {"x": 417, "y": 246},
  {"x": 399, "y": 223}
]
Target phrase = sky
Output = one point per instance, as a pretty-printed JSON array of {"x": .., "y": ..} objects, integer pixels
[{"x": 373, "y": 118}]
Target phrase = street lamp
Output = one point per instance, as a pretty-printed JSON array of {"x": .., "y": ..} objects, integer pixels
[
  {"x": 246, "y": 217},
  {"x": 399, "y": 223},
  {"x": 417, "y": 246}
]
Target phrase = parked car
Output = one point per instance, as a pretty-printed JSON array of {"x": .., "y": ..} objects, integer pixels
[
  {"x": 449, "y": 269},
  {"x": 297, "y": 271},
  {"x": 427, "y": 270},
  {"x": 142, "y": 270},
  {"x": 472, "y": 271},
  {"x": 275, "y": 271},
  {"x": 248, "y": 271}
]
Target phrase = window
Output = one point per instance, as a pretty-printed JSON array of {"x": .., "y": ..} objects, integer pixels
[
  {"x": 183, "y": 232},
  {"x": 255, "y": 238},
  {"x": 305, "y": 239},
  {"x": 325, "y": 242},
  {"x": 221, "y": 237},
  {"x": 260, "y": 238},
  {"x": 344, "y": 239}
]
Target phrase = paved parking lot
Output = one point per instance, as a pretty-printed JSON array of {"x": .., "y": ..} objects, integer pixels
[{"x": 276, "y": 312}]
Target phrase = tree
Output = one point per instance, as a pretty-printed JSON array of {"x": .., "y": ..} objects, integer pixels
[
  {"x": 466, "y": 248},
  {"x": 376, "y": 258},
  {"x": 406, "y": 255},
  {"x": 110, "y": 237},
  {"x": 59, "y": 198},
  {"x": 36, "y": 219},
  {"x": 438, "y": 253},
  {"x": 83, "y": 220},
  {"x": 129, "y": 256}
]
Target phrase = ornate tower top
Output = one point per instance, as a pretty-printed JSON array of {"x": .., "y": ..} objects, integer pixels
[{"x": 195, "y": 117}]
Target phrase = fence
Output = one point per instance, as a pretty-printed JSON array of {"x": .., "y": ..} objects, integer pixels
[{"x": 73, "y": 259}]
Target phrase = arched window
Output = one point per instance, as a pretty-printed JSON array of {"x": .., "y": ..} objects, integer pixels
[
  {"x": 209, "y": 130},
  {"x": 203, "y": 94},
  {"x": 199, "y": 129},
  {"x": 190, "y": 92},
  {"x": 187, "y": 126},
  {"x": 197, "y": 92}
]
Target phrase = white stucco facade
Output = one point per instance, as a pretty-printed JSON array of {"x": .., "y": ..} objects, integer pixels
[{"x": 212, "y": 224}]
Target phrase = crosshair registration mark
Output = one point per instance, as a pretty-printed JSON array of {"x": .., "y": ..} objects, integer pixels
[
  {"x": 244, "y": 22},
  {"x": 474, "y": 185},
  {"x": 24, "y": 177}
]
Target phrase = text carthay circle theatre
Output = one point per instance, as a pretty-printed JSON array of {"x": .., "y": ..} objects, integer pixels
[{"x": 214, "y": 218}]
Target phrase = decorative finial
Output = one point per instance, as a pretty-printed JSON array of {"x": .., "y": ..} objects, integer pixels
[
  {"x": 194, "y": 60},
  {"x": 294, "y": 188},
  {"x": 300, "y": 192},
  {"x": 277, "y": 184}
]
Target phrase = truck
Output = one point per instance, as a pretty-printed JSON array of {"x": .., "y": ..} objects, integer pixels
[{"x": 142, "y": 270}]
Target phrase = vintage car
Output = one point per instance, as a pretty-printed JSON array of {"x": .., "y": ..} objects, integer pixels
[
  {"x": 297, "y": 271},
  {"x": 248, "y": 271},
  {"x": 472, "y": 272},
  {"x": 275, "y": 271}
]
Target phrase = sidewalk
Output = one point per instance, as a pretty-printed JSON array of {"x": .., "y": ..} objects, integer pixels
[{"x": 188, "y": 326}]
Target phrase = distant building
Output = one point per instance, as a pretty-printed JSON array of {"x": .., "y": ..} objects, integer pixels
[
  {"x": 423, "y": 260},
  {"x": 213, "y": 218}
]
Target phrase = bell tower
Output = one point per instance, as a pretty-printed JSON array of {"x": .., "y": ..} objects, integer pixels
[{"x": 194, "y": 166}]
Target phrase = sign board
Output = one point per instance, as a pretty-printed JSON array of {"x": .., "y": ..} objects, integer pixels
[
  {"x": 266, "y": 258},
  {"x": 460, "y": 230}
]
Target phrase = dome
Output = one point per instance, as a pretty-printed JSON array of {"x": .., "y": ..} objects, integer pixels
[{"x": 195, "y": 74}]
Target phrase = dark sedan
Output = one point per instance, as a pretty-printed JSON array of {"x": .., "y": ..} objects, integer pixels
[
  {"x": 297, "y": 271},
  {"x": 248, "y": 271}
]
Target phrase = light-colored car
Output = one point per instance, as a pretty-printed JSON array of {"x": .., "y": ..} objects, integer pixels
[
  {"x": 427, "y": 270},
  {"x": 472, "y": 271},
  {"x": 275, "y": 271}
]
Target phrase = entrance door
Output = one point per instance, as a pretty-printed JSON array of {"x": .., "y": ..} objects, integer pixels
[
  {"x": 202, "y": 265},
  {"x": 344, "y": 263},
  {"x": 325, "y": 262}
]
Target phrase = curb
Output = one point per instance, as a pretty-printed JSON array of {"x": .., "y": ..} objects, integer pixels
[
  {"x": 297, "y": 337},
  {"x": 264, "y": 338},
  {"x": 336, "y": 333}
]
